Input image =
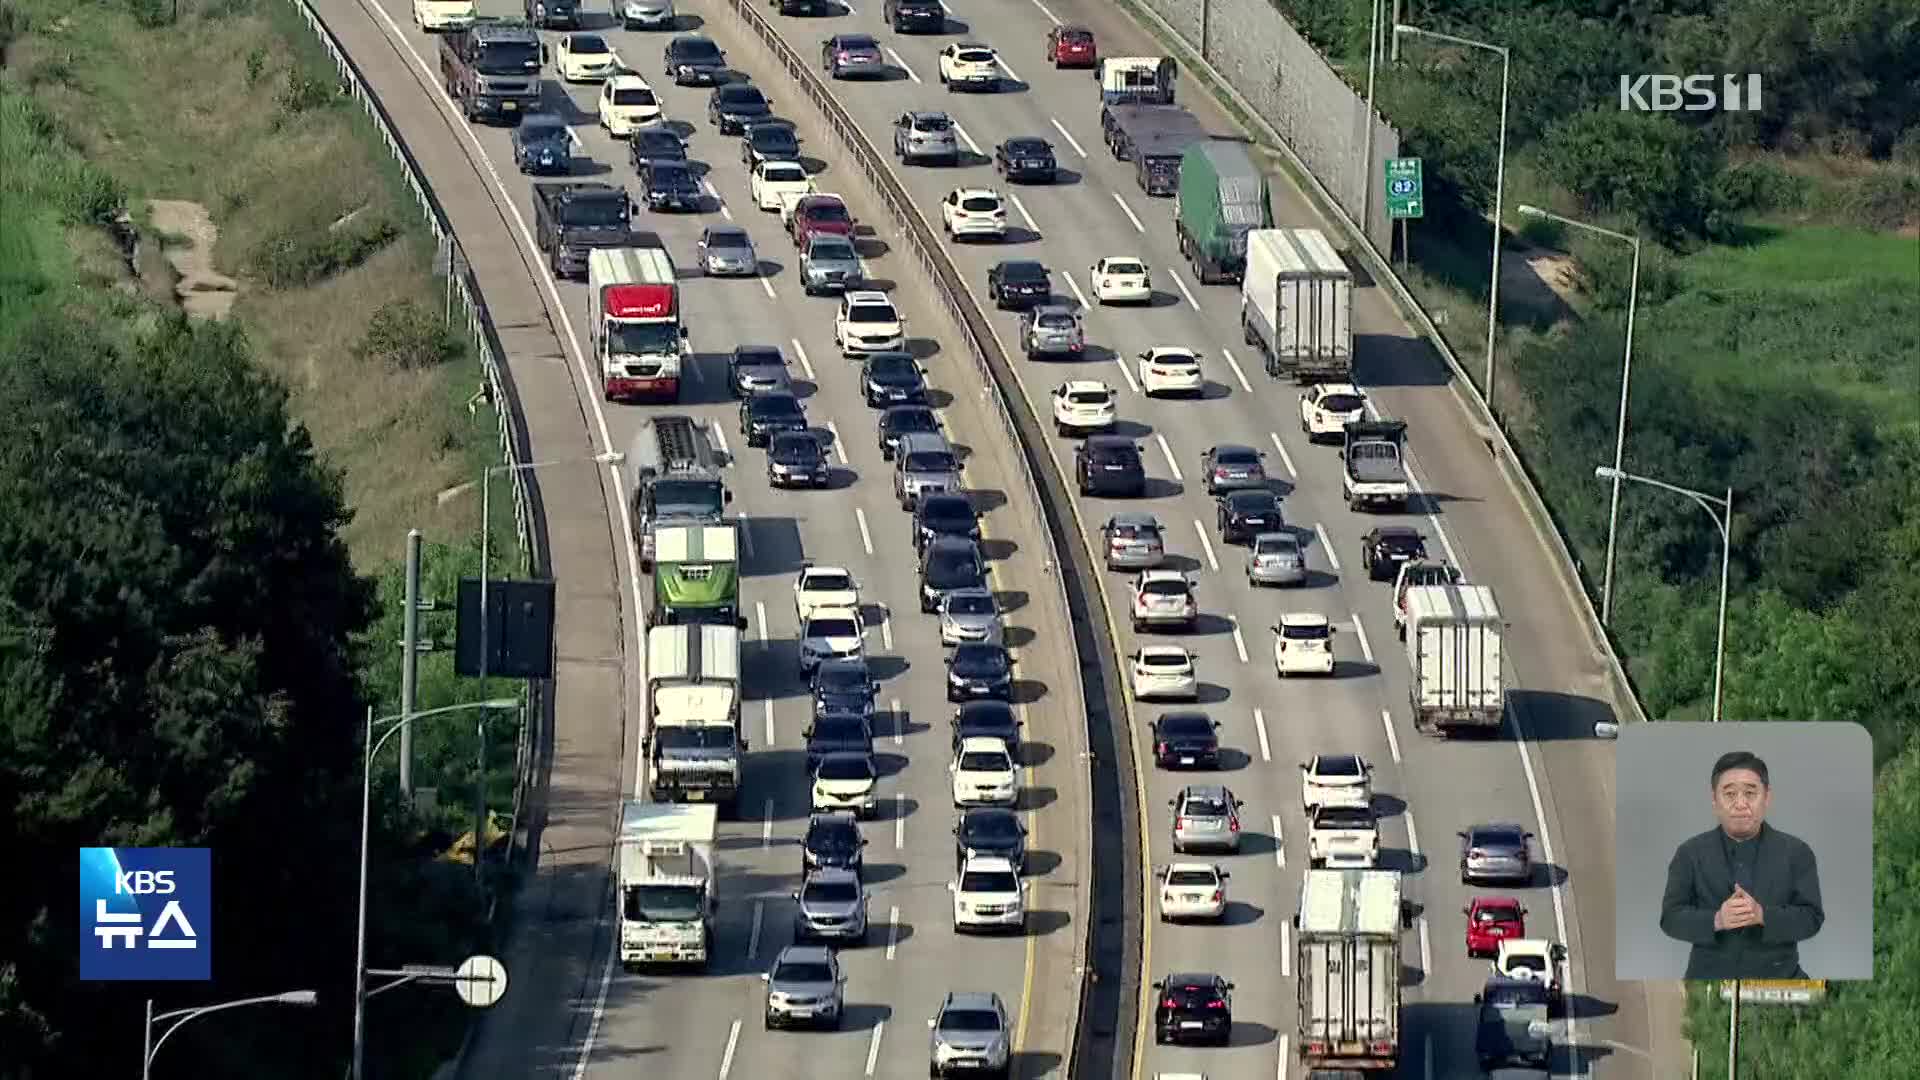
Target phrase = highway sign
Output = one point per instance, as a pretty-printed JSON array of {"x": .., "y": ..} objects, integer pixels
[
  {"x": 480, "y": 981},
  {"x": 1405, "y": 188}
]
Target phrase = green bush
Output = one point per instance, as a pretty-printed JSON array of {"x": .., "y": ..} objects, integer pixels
[
  {"x": 42, "y": 166},
  {"x": 406, "y": 336},
  {"x": 306, "y": 92},
  {"x": 152, "y": 14},
  {"x": 1640, "y": 164},
  {"x": 313, "y": 250}
]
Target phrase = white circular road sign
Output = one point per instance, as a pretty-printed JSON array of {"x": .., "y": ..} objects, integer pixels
[{"x": 480, "y": 980}]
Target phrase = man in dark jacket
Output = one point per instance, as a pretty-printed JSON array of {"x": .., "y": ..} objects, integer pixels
[{"x": 1743, "y": 894}]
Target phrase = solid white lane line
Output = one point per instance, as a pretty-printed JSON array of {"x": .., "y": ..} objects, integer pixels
[
  {"x": 1266, "y": 751},
  {"x": 1167, "y": 452},
  {"x": 1285, "y": 458},
  {"x": 1237, "y": 373},
  {"x": 1286, "y": 950},
  {"x": 901, "y": 63},
  {"x": 899, "y": 821},
  {"x": 726, "y": 1059},
  {"x": 886, "y": 628},
  {"x": 767, "y": 287},
  {"x": 839, "y": 447},
  {"x": 1239, "y": 643},
  {"x": 720, "y": 440},
  {"x": 1125, "y": 371},
  {"x": 866, "y": 538},
  {"x": 1074, "y": 284},
  {"x": 893, "y": 930},
  {"x": 1205, "y": 544},
  {"x": 1446, "y": 541},
  {"x": 1067, "y": 135},
  {"x": 806, "y": 365},
  {"x": 1360, "y": 632},
  {"x": 753, "y": 935},
  {"x": 1128, "y": 210},
  {"x": 1051, "y": 17},
  {"x": 1009, "y": 72},
  {"x": 1393, "y": 741},
  {"x": 1021, "y": 209},
  {"x": 1285, "y": 1058},
  {"x": 766, "y": 826},
  {"x": 1181, "y": 282},
  {"x": 966, "y": 138},
  {"x": 899, "y": 722},
  {"x": 1327, "y": 546},
  {"x": 1546, "y": 850},
  {"x": 873, "y": 1048}
]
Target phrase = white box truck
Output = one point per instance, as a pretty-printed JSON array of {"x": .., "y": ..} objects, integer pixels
[
  {"x": 1296, "y": 305},
  {"x": 1455, "y": 650},
  {"x": 1348, "y": 960},
  {"x": 694, "y": 743},
  {"x": 664, "y": 860}
]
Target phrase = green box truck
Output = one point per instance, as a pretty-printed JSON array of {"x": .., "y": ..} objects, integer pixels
[{"x": 1222, "y": 197}]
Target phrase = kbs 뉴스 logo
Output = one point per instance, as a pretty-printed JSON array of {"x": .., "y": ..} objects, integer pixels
[{"x": 146, "y": 914}]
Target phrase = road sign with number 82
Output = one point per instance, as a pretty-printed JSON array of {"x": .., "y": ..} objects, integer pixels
[{"x": 1404, "y": 188}]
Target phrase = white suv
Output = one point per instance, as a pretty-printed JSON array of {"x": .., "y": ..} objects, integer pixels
[
  {"x": 867, "y": 322},
  {"x": 1327, "y": 408},
  {"x": 988, "y": 895},
  {"x": 983, "y": 773},
  {"x": 974, "y": 213},
  {"x": 1163, "y": 598},
  {"x": 1302, "y": 644},
  {"x": 1083, "y": 405},
  {"x": 626, "y": 102}
]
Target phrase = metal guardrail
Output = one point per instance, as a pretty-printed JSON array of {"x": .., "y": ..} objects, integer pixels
[
  {"x": 462, "y": 286},
  {"x": 1506, "y": 455},
  {"x": 1083, "y": 600}
]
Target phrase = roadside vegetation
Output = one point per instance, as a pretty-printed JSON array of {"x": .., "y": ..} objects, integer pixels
[
  {"x": 1776, "y": 351},
  {"x": 203, "y": 526}
]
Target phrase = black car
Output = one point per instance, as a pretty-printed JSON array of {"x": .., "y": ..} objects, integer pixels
[
  {"x": 945, "y": 514},
  {"x": 1017, "y": 284},
  {"x": 769, "y": 140},
  {"x": 1109, "y": 465},
  {"x": 833, "y": 840},
  {"x": 976, "y": 670},
  {"x": 1513, "y": 1026},
  {"x": 844, "y": 686},
  {"x": 542, "y": 146},
  {"x": 838, "y": 733},
  {"x": 669, "y": 185},
  {"x": 693, "y": 60},
  {"x": 553, "y": 14},
  {"x": 891, "y": 378},
  {"x": 914, "y": 16},
  {"x": 1026, "y": 157},
  {"x": 990, "y": 830},
  {"x": 900, "y": 420},
  {"x": 731, "y": 108},
  {"x": 987, "y": 720},
  {"x": 949, "y": 563},
  {"x": 1186, "y": 740},
  {"x": 796, "y": 459},
  {"x": 1384, "y": 548},
  {"x": 1193, "y": 1008},
  {"x": 757, "y": 369},
  {"x": 763, "y": 414},
  {"x": 1243, "y": 515},
  {"x": 654, "y": 142}
]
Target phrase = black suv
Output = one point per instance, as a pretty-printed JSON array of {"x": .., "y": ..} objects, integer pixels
[
  {"x": 1383, "y": 550},
  {"x": 1018, "y": 284},
  {"x": 990, "y": 830},
  {"x": 1025, "y": 157},
  {"x": 833, "y": 840},
  {"x": 1193, "y": 1008},
  {"x": 900, "y": 420},
  {"x": 987, "y": 720},
  {"x": 945, "y": 514},
  {"x": 763, "y": 414},
  {"x": 976, "y": 670},
  {"x": 891, "y": 378},
  {"x": 841, "y": 686},
  {"x": 670, "y": 185},
  {"x": 1109, "y": 465},
  {"x": 838, "y": 733},
  {"x": 949, "y": 563},
  {"x": 1186, "y": 740},
  {"x": 542, "y": 146},
  {"x": 914, "y": 16}
]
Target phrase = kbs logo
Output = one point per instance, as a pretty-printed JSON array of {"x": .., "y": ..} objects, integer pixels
[
  {"x": 1689, "y": 93},
  {"x": 146, "y": 914}
]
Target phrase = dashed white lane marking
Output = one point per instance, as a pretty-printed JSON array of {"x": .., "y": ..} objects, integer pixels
[
  {"x": 1279, "y": 843},
  {"x": 1285, "y": 458},
  {"x": 886, "y": 628},
  {"x": 1266, "y": 751},
  {"x": 839, "y": 448},
  {"x": 766, "y": 826},
  {"x": 1360, "y": 632},
  {"x": 1286, "y": 950},
  {"x": 1021, "y": 209},
  {"x": 1286, "y": 1060},
  {"x": 1051, "y": 17},
  {"x": 899, "y": 722},
  {"x": 893, "y": 930},
  {"x": 966, "y": 138},
  {"x": 1010, "y": 73},
  {"x": 746, "y": 536},
  {"x": 726, "y": 1059},
  {"x": 1239, "y": 643},
  {"x": 1128, "y": 210},
  {"x": 1181, "y": 283},
  {"x": 1067, "y": 135},
  {"x": 1393, "y": 741},
  {"x": 1426, "y": 949},
  {"x": 1167, "y": 452},
  {"x": 1206, "y": 545},
  {"x": 806, "y": 365},
  {"x": 873, "y": 1048},
  {"x": 1078, "y": 295},
  {"x": 1327, "y": 546},
  {"x": 1413, "y": 835},
  {"x": 767, "y": 287},
  {"x": 901, "y": 63},
  {"x": 1237, "y": 373},
  {"x": 753, "y": 935},
  {"x": 899, "y": 821},
  {"x": 866, "y": 538},
  {"x": 1125, "y": 371},
  {"x": 720, "y": 440}
]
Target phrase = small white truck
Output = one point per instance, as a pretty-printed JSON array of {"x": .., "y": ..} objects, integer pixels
[
  {"x": 1348, "y": 963},
  {"x": 665, "y": 903},
  {"x": 1454, "y": 641},
  {"x": 1296, "y": 305},
  {"x": 1373, "y": 474}
]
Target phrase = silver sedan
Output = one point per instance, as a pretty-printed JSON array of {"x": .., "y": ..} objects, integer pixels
[
  {"x": 1276, "y": 559},
  {"x": 727, "y": 251}
]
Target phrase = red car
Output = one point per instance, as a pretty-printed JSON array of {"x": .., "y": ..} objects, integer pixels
[
  {"x": 820, "y": 215},
  {"x": 1072, "y": 46},
  {"x": 1491, "y": 920}
]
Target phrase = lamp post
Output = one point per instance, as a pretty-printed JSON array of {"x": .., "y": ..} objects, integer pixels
[
  {"x": 394, "y": 725},
  {"x": 302, "y": 998},
  {"x": 1366, "y": 129},
  {"x": 1626, "y": 379},
  {"x": 1499, "y": 177},
  {"x": 1721, "y": 511}
]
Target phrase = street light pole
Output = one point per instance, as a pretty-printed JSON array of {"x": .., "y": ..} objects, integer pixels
[
  {"x": 1626, "y": 380},
  {"x": 1366, "y": 131},
  {"x": 302, "y": 998}
]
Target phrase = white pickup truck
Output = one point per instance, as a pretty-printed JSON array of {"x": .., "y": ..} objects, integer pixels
[
  {"x": 1342, "y": 838},
  {"x": 1373, "y": 473}
]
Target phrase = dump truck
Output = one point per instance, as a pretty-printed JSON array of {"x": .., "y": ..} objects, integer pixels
[
  {"x": 694, "y": 743},
  {"x": 1373, "y": 472},
  {"x": 674, "y": 477},
  {"x": 1347, "y": 935},
  {"x": 633, "y": 321},
  {"x": 1296, "y": 305},
  {"x": 1152, "y": 139},
  {"x": 663, "y": 859},
  {"x": 1222, "y": 197},
  {"x": 1136, "y": 80},
  {"x": 696, "y": 576},
  {"x": 1454, "y": 647},
  {"x": 571, "y": 220}
]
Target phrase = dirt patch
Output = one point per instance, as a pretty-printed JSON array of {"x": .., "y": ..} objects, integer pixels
[
  {"x": 1539, "y": 272},
  {"x": 187, "y": 235}
]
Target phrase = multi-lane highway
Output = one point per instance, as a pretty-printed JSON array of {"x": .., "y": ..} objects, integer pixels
[{"x": 695, "y": 1025}]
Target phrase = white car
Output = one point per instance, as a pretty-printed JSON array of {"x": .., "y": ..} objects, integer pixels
[
  {"x": 824, "y": 587},
  {"x": 1120, "y": 279},
  {"x": 983, "y": 773},
  {"x": 831, "y": 633},
  {"x": 585, "y": 58},
  {"x": 969, "y": 65},
  {"x": 1335, "y": 780},
  {"x": 1192, "y": 890},
  {"x": 1170, "y": 369},
  {"x": 988, "y": 895},
  {"x": 1535, "y": 960},
  {"x": 1163, "y": 598},
  {"x": 1164, "y": 671},
  {"x": 974, "y": 214},
  {"x": 1327, "y": 408},
  {"x": 1083, "y": 405},
  {"x": 867, "y": 322},
  {"x": 1302, "y": 645},
  {"x": 626, "y": 102},
  {"x": 773, "y": 180},
  {"x": 845, "y": 783},
  {"x": 1343, "y": 838},
  {"x": 433, "y": 15}
]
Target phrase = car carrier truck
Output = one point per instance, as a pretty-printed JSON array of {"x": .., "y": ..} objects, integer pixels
[
  {"x": 664, "y": 862},
  {"x": 1296, "y": 305},
  {"x": 1347, "y": 936}
]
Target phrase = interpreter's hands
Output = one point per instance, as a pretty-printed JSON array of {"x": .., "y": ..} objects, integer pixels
[{"x": 1737, "y": 911}]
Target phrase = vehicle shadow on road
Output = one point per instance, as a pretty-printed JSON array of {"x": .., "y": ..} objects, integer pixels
[
  {"x": 1549, "y": 715},
  {"x": 1391, "y": 360},
  {"x": 1010, "y": 600},
  {"x": 1241, "y": 913},
  {"x": 1033, "y": 1065},
  {"x": 1038, "y": 798},
  {"x": 1044, "y": 921},
  {"x": 1041, "y": 863}
]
